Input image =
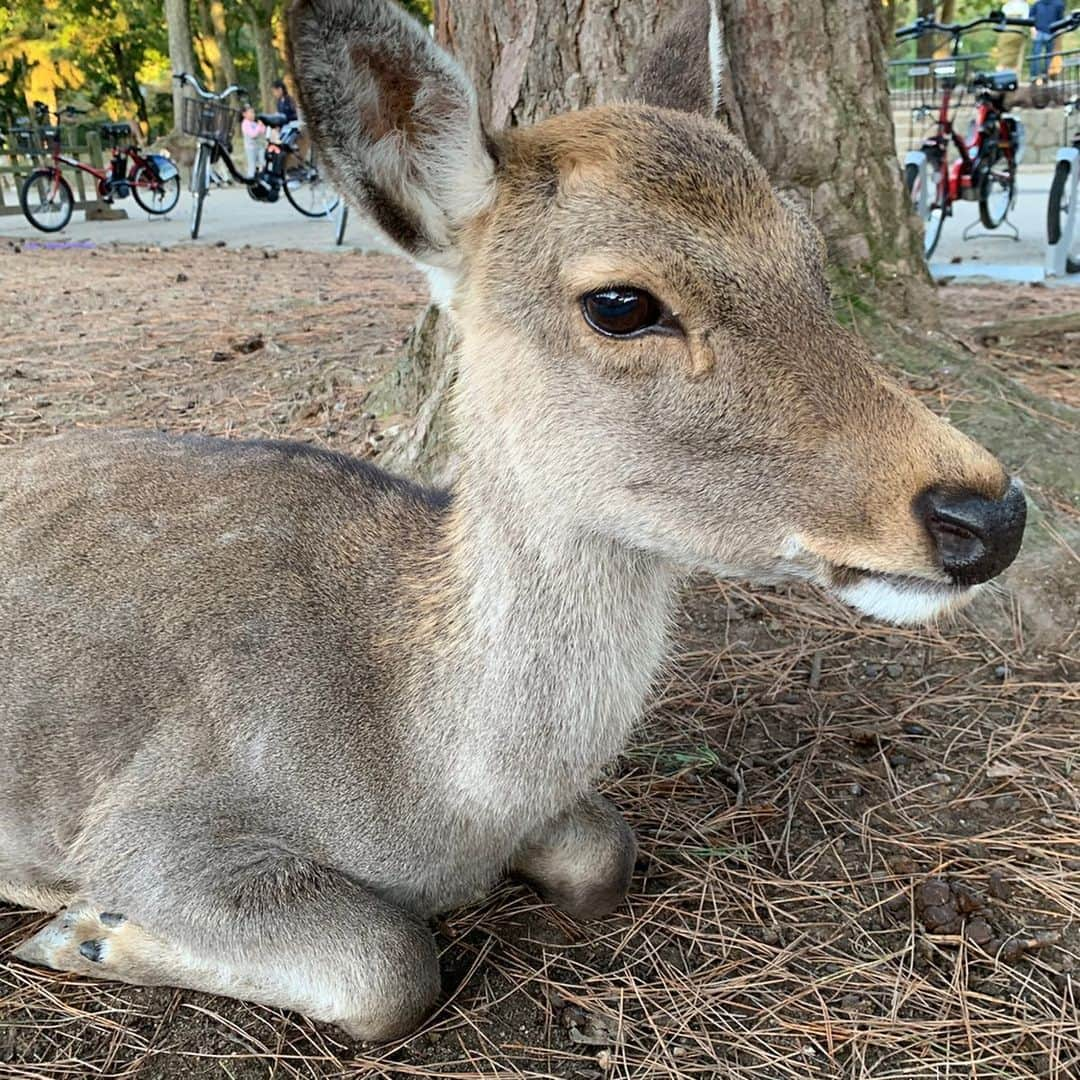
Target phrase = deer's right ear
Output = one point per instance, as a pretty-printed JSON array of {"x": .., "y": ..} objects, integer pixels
[{"x": 394, "y": 119}]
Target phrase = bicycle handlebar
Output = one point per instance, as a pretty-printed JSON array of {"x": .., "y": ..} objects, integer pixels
[
  {"x": 1063, "y": 26},
  {"x": 927, "y": 25},
  {"x": 189, "y": 80},
  {"x": 44, "y": 112}
]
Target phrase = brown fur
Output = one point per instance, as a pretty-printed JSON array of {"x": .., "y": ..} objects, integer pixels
[{"x": 266, "y": 709}]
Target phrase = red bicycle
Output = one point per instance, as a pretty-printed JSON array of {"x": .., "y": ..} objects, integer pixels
[
  {"x": 985, "y": 166},
  {"x": 46, "y": 197}
]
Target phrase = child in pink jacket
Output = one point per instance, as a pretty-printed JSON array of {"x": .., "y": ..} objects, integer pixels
[{"x": 254, "y": 132}]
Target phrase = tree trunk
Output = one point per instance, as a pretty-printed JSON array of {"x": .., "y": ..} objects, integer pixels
[
  {"x": 808, "y": 81},
  {"x": 129, "y": 83},
  {"x": 214, "y": 39},
  {"x": 181, "y": 53},
  {"x": 924, "y": 46},
  {"x": 220, "y": 28},
  {"x": 805, "y": 85},
  {"x": 266, "y": 56}
]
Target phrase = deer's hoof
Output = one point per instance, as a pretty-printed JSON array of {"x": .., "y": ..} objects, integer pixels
[{"x": 79, "y": 939}]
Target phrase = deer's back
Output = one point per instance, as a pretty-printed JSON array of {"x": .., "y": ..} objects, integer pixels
[{"x": 177, "y": 612}]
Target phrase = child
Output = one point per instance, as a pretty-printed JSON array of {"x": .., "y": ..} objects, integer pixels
[{"x": 254, "y": 131}]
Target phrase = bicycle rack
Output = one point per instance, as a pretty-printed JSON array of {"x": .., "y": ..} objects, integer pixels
[
  {"x": 342, "y": 215},
  {"x": 967, "y": 234},
  {"x": 1057, "y": 255}
]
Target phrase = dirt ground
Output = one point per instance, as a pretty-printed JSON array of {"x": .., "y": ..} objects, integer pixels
[{"x": 860, "y": 846}]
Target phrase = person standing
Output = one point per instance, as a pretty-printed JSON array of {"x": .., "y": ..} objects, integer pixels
[
  {"x": 1045, "y": 13},
  {"x": 283, "y": 103},
  {"x": 254, "y": 132}
]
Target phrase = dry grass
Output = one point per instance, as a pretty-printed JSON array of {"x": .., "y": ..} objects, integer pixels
[{"x": 799, "y": 777}]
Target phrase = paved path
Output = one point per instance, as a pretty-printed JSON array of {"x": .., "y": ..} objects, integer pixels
[
  {"x": 996, "y": 255},
  {"x": 230, "y": 215}
]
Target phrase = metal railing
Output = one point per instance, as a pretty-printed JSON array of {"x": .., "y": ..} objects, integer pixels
[
  {"x": 25, "y": 147},
  {"x": 915, "y": 84}
]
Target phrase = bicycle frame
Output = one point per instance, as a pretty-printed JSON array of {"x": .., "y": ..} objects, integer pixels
[
  {"x": 101, "y": 175},
  {"x": 990, "y": 124},
  {"x": 969, "y": 154}
]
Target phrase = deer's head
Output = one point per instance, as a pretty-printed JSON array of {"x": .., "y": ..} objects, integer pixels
[{"x": 648, "y": 346}]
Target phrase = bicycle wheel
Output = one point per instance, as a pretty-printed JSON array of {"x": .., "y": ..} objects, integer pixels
[
  {"x": 1057, "y": 212},
  {"x": 46, "y": 200},
  {"x": 308, "y": 189},
  {"x": 928, "y": 202},
  {"x": 198, "y": 188},
  {"x": 997, "y": 189},
  {"x": 155, "y": 196}
]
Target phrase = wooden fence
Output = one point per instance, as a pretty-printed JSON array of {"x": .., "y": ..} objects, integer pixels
[{"x": 25, "y": 150}]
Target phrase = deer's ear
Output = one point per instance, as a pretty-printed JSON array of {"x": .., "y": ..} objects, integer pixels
[
  {"x": 684, "y": 69},
  {"x": 395, "y": 120}
]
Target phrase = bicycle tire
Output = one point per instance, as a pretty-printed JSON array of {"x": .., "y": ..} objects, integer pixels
[
  {"x": 932, "y": 225},
  {"x": 1055, "y": 207},
  {"x": 986, "y": 214},
  {"x": 293, "y": 196},
  {"x": 171, "y": 187},
  {"x": 67, "y": 199},
  {"x": 198, "y": 190}
]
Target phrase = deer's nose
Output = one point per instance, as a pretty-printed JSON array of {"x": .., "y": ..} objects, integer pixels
[{"x": 975, "y": 537}]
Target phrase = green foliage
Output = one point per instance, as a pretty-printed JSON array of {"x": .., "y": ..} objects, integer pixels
[
  {"x": 90, "y": 52},
  {"x": 421, "y": 9},
  {"x": 113, "y": 55}
]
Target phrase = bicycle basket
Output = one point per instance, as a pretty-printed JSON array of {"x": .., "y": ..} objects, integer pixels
[{"x": 208, "y": 119}]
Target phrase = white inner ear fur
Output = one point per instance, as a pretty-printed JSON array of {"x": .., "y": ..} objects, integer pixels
[
  {"x": 444, "y": 178},
  {"x": 716, "y": 56}
]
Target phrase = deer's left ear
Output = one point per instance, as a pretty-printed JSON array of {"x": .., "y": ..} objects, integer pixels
[{"x": 684, "y": 69}]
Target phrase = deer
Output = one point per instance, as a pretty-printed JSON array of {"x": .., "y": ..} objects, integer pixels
[{"x": 267, "y": 709}]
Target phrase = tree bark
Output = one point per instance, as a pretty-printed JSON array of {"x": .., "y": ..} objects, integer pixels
[
  {"x": 128, "y": 81},
  {"x": 924, "y": 46},
  {"x": 181, "y": 53},
  {"x": 216, "y": 51},
  {"x": 805, "y": 85},
  {"x": 219, "y": 23},
  {"x": 266, "y": 56},
  {"x": 808, "y": 80}
]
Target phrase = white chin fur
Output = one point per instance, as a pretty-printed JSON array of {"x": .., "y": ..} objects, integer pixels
[{"x": 881, "y": 599}]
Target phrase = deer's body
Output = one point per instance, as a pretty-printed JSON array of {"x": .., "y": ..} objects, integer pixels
[
  {"x": 402, "y": 742},
  {"x": 265, "y": 709}
]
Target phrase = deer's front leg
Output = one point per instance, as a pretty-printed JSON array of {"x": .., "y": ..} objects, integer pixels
[
  {"x": 581, "y": 861},
  {"x": 287, "y": 935}
]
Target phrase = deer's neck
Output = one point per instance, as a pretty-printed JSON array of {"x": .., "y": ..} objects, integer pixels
[{"x": 547, "y": 648}]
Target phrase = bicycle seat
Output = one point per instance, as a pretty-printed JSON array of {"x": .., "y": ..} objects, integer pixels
[
  {"x": 1000, "y": 82},
  {"x": 271, "y": 120}
]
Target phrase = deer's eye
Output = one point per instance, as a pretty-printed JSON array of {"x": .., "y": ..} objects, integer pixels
[{"x": 623, "y": 312}]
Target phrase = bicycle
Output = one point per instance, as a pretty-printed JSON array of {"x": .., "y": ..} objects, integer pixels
[
  {"x": 985, "y": 169},
  {"x": 210, "y": 119},
  {"x": 46, "y": 197},
  {"x": 1062, "y": 210}
]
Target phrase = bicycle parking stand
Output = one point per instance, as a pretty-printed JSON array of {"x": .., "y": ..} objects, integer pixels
[
  {"x": 342, "y": 219},
  {"x": 1057, "y": 255},
  {"x": 984, "y": 235}
]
